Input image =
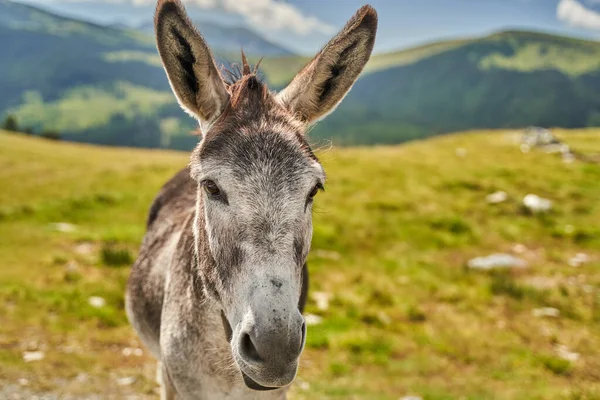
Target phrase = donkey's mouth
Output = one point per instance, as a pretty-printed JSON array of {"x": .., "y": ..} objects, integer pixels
[{"x": 252, "y": 384}]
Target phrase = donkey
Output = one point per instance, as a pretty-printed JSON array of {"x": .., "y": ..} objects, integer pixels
[{"x": 217, "y": 291}]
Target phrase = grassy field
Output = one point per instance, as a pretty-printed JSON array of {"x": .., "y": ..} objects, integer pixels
[{"x": 393, "y": 232}]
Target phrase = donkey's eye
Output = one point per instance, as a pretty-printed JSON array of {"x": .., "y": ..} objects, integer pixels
[
  {"x": 211, "y": 188},
  {"x": 315, "y": 190}
]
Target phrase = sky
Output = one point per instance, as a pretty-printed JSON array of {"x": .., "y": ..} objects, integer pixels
[{"x": 305, "y": 25}]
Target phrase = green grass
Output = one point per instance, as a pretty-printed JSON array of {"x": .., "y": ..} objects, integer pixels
[{"x": 393, "y": 232}]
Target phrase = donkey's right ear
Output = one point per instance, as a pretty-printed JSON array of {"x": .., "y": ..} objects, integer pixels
[{"x": 189, "y": 64}]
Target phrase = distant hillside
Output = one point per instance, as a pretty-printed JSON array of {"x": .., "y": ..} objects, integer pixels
[
  {"x": 106, "y": 85},
  {"x": 506, "y": 80},
  {"x": 89, "y": 82},
  {"x": 94, "y": 83},
  {"x": 280, "y": 71}
]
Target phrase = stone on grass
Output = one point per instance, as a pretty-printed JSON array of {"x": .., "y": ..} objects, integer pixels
[
  {"x": 579, "y": 259},
  {"x": 546, "y": 312},
  {"x": 537, "y": 204},
  {"x": 129, "y": 351},
  {"x": 312, "y": 319},
  {"x": 64, "y": 227},
  {"x": 303, "y": 385},
  {"x": 29, "y": 356},
  {"x": 328, "y": 254},
  {"x": 519, "y": 248},
  {"x": 96, "y": 302},
  {"x": 85, "y": 248},
  {"x": 563, "y": 352},
  {"x": 461, "y": 152},
  {"x": 568, "y": 158},
  {"x": 322, "y": 300},
  {"x": 497, "y": 261},
  {"x": 126, "y": 381},
  {"x": 497, "y": 197}
]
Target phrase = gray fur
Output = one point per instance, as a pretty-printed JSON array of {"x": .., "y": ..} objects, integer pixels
[{"x": 218, "y": 288}]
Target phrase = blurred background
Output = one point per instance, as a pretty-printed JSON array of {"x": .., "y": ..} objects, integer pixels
[{"x": 452, "y": 266}]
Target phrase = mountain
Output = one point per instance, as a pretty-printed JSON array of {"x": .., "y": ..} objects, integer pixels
[
  {"x": 89, "y": 82},
  {"x": 230, "y": 39},
  {"x": 105, "y": 85},
  {"x": 506, "y": 80},
  {"x": 94, "y": 83}
]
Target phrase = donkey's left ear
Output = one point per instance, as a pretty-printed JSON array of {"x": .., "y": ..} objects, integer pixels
[{"x": 323, "y": 83}]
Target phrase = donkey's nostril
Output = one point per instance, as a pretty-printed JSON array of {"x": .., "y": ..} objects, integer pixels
[
  {"x": 303, "y": 336},
  {"x": 249, "y": 350}
]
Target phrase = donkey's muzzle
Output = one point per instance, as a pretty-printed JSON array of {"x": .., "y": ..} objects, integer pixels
[{"x": 270, "y": 351}]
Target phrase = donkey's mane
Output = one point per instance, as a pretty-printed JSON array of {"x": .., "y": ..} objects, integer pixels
[{"x": 236, "y": 72}]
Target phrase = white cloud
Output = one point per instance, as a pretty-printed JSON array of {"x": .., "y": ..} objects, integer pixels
[
  {"x": 275, "y": 15},
  {"x": 576, "y": 14}
]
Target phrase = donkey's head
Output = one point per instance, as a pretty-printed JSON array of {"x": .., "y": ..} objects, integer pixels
[{"x": 257, "y": 178}]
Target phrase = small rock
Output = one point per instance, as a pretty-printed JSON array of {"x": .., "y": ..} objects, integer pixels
[
  {"x": 579, "y": 259},
  {"x": 587, "y": 289},
  {"x": 542, "y": 282},
  {"x": 537, "y": 204},
  {"x": 535, "y": 136},
  {"x": 546, "y": 312},
  {"x": 84, "y": 248},
  {"x": 384, "y": 318},
  {"x": 96, "y": 302},
  {"x": 563, "y": 352},
  {"x": 568, "y": 158},
  {"x": 29, "y": 356},
  {"x": 497, "y": 197},
  {"x": 519, "y": 248},
  {"x": 23, "y": 382},
  {"x": 64, "y": 227},
  {"x": 556, "y": 148},
  {"x": 327, "y": 254},
  {"x": 546, "y": 331},
  {"x": 127, "y": 381},
  {"x": 312, "y": 319},
  {"x": 128, "y": 351},
  {"x": 461, "y": 152},
  {"x": 303, "y": 385},
  {"x": 82, "y": 377},
  {"x": 322, "y": 300},
  {"x": 496, "y": 261},
  {"x": 72, "y": 266}
]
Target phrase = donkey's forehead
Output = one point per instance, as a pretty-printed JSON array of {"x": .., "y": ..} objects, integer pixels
[{"x": 245, "y": 152}]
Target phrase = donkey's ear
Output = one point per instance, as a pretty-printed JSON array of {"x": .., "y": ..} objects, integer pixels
[
  {"x": 189, "y": 64},
  {"x": 323, "y": 83}
]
